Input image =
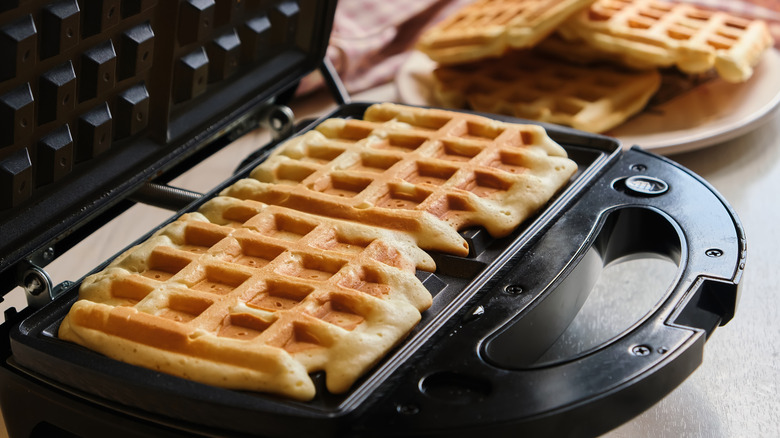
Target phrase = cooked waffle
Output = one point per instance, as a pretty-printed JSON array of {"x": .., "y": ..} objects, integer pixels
[
  {"x": 577, "y": 51},
  {"x": 409, "y": 169},
  {"x": 488, "y": 28},
  {"x": 251, "y": 295},
  {"x": 672, "y": 34},
  {"x": 255, "y": 298},
  {"x": 526, "y": 85}
]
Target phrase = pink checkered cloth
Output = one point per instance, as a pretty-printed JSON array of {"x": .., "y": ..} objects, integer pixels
[{"x": 371, "y": 39}]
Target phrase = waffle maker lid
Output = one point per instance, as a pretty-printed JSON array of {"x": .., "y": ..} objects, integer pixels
[
  {"x": 99, "y": 97},
  {"x": 479, "y": 361}
]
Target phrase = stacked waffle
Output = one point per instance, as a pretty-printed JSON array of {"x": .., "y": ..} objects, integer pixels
[
  {"x": 309, "y": 264},
  {"x": 502, "y": 55},
  {"x": 488, "y": 28}
]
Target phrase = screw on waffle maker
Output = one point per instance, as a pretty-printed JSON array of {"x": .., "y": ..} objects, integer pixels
[{"x": 507, "y": 342}]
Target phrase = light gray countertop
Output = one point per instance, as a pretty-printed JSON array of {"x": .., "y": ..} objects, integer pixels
[{"x": 734, "y": 393}]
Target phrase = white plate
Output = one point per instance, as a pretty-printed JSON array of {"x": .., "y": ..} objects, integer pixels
[{"x": 711, "y": 113}]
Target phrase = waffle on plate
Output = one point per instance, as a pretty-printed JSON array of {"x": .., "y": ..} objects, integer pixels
[
  {"x": 665, "y": 34},
  {"x": 527, "y": 85},
  {"x": 488, "y": 28}
]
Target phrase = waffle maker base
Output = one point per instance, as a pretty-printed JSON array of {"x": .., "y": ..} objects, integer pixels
[{"x": 477, "y": 361}]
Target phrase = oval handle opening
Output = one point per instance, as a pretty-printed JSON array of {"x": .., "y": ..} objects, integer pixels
[{"x": 628, "y": 271}]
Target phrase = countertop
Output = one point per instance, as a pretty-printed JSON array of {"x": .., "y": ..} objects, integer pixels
[{"x": 734, "y": 393}]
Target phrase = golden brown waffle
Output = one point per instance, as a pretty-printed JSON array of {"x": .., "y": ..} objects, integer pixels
[
  {"x": 488, "y": 28},
  {"x": 426, "y": 172},
  {"x": 526, "y": 85},
  {"x": 251, "y": 295},
  {"x": 672, "y": 34},
  {"x": 255, "y": 298}
]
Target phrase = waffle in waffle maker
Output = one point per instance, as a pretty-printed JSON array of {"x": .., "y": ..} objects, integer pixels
[{"x": 483, "y": 358}]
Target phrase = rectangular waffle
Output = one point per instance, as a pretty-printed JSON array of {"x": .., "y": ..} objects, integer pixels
[
  {"x": 488, "y": 28},
  {"x": 254, "y": 297},
  {"x": 426, "y": 172},
  {"x": 527, "y": 85},
  {"x": 672, "y": 34},
  {"x": 318, "y": 276}
]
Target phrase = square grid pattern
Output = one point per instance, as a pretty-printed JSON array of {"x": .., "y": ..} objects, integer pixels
[
  {"x": 522, "y": 84},
  {"x": 402, "y": 167},
  {"x": 487, "y": 28},
  {"x": 693, "y": 39},
  {"x": 678, "y": 22},
  {"x": 261, "y": 289}
]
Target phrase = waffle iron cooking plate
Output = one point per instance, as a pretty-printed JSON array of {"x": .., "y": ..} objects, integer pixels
[{"x": 478, "y": 361}]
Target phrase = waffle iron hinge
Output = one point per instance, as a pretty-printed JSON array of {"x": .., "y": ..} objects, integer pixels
[
  {"x": 37, "y": 284},
  {"x": 279, "y": 119}
]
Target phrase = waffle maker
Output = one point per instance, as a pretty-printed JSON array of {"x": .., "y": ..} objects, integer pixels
[{"x": 105, "y": 101}]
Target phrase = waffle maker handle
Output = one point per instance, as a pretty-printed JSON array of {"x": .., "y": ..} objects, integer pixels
[{"x": 487, "y": 361}]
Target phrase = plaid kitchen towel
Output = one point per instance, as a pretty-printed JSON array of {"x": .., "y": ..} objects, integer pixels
[{"x": 371, "y": 39}]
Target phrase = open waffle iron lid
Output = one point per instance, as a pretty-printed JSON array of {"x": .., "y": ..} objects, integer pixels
[
  {"x": 491, "y": 355},
  {"x": 99, "y": 97}
]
